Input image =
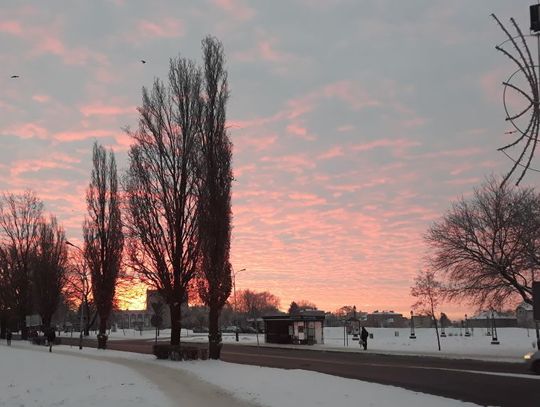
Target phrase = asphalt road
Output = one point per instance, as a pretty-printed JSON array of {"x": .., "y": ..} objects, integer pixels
[{"x": 484, "y": 383}]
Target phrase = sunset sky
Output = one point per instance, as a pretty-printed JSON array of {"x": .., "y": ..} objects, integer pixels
[{"x": 355, "y": 123}]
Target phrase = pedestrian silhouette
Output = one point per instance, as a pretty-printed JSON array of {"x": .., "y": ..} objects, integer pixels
[
  {"x": 363, "y": 337},
  {"x": 51, "y": 336},
  {"x": 8, "y": 337}
]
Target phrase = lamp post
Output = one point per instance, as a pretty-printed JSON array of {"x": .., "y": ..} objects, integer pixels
[
  {"x": 412, "y": 335},
  {"x": 494, "y": 338},
  {"x": 443, "y": 332},
  {"x": 234, "y": 273},
  {"x": 82, "y": 299}
]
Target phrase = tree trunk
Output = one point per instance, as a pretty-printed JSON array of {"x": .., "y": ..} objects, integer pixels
[
  {"x": 214, "y": 336},
  {"x": 24, "y": 328},
  {"x": 437, "y": 332},
  {"x": 3, "y": 325},
  {"x": 176, "y": 325},
  {"x": 102, "y": 336},
  {"x": 46, "y": 321}
]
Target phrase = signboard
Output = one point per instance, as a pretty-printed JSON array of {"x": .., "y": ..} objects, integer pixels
[
  {"x": 33, "y": 320},
  {"x": 536, "y": 300}
]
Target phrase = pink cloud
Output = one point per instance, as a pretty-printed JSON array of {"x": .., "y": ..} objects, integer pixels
[
  {"x": 351, "y": 93},
  {"x": 41, "y": 98},
  {"x": 385, "y": 143},
  {"x": 345, "y": 128},
  {"x": 255, "y": 142},
  {"x": 27, "y": 130},
  {"x": 336, "y": 151},
  {"x": 300, "y": 131},
  {"x": 167, "y": 27},
  {"x": 11, "y": 27},
  {"x": 56, "y": 160},
  {"x": 236, "y": 9},
  {"x": 464, "y": 181},
  {"x": 49, "y": 44},
  {"x": 99, "y": 109},
  {"x": 83, "y": 135},
  {"x": 290, "y": 163},
  {"x": 307, "y": 199}
]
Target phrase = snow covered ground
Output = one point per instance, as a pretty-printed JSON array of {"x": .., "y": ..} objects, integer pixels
[
  {"x": 514, "y": 342},
  {"x": 35, "y": 377},
  {"x": 31, "y": 376}
]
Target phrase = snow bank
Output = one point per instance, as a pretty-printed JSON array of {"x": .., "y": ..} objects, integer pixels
[{"x": 35, "y": 377}]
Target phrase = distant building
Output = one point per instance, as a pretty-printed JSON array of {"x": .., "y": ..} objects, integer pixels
[
  {"x": 132, "y": 319},
  {"x": 502, "y": 320},
  {"x": 386, "y": 319},
  {"x": 422, "y": 321},
  {"x": 140, "y": 319},
  {"x": 524, "y": 315},
  {"x": 306, "y": 327}
]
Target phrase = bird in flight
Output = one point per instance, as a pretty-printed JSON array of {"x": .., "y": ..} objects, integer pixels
[
  {"x": 14, "y": 76},
  {"x": 143, "y": 61}
]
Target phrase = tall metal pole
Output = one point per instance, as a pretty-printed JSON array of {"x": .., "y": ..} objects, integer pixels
[
  {"x": 234, "y": 295},
  {"x": 538, "y": 107},
  {"x": 81, "y": 324},
  {"x": 412, "y": 335}
]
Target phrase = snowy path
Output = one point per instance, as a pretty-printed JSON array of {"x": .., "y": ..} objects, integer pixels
[{"x": 178, "y": 386}]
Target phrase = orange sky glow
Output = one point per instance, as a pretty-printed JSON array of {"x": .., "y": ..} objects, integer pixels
[{"x": 350, "y": 137}]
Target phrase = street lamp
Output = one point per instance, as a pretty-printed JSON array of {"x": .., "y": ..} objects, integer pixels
[
  {"x": 82, "y": 298},
  {"x": 234, "y": 273}
]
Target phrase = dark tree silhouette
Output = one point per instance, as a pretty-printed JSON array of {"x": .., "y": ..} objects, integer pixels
[
  {"x": 428, "y": 292},
  {"x": 78, "y": 288},
  {"x": 256, "y": 304},
  {"x": 485, "y": 246},
  {"x": 103, "y": 237},
  {"x": 294, "y": 309},
  {"x": 20, "y": 217},
  {"x": 214, "y": 211},
  {"x": 49, "y": 269},
  {"x": 161, "y": 187}
]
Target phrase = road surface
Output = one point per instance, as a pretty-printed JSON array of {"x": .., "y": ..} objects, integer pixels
[{"x": 484, "y": 383}]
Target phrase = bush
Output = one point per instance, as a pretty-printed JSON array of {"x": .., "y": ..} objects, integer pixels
[
  {"x": 39, "y": 340},
  {"x": 161, "y": 351}
]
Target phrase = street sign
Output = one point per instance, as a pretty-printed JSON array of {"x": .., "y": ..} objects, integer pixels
[
  {"x": 536, "y": 300},
  {"x": 156, "y": 321}
]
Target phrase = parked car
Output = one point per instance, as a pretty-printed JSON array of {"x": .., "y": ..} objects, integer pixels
[
  {"x": 231, "y": 329},
  {"x": 199, "y": 330},
  {"x": 249, "y": 330},
  {"x": 533, "y": 361}
]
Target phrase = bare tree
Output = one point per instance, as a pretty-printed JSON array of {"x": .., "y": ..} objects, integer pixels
[
  {"x": 214, "y": 204},
  {"x": 428, "y": 293},
  {"x": 103, "y": 237},
  {"x": 20, "y": 217},
  {"x": 49, "y": 269},
  {"x": 161, "y": 187},
  {"x": 255, "y": 304},
  {"x": 485, "y": 246},
  {"x": 6, "y": 299},
  {"x": 78, "y": 288}
]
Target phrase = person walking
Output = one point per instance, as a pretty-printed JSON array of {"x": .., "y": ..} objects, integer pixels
[
  {"x": 363, "y": 336},
  {"x": 51, "y": 336},
  {"x": 9, "y": 335}
]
